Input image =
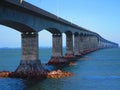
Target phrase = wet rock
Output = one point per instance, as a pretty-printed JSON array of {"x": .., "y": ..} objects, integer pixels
[
  {"x": 35, "y": 75},
  {"x": 4, "y": 74},
  {"x": 72, "y": 63},
  {"x": 58, "y": 74}
]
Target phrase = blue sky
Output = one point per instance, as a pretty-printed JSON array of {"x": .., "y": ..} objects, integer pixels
[{"x": 101, "y": 16}]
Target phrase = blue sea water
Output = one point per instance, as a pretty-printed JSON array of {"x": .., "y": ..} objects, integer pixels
[{"x": 99, "y": 70}]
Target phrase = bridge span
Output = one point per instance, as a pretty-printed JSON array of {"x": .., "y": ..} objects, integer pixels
[{"x": 29, "y": 20}]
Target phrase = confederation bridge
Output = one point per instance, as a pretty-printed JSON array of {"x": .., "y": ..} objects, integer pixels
[{"x": 29, "y": 20}]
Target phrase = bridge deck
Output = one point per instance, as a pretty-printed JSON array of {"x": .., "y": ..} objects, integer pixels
[{"x": 27, "y": 7}]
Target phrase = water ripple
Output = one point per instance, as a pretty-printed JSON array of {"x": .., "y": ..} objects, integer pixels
[
  {"x": 101, "y": 77},
  {"x": 11, "y": 84}
]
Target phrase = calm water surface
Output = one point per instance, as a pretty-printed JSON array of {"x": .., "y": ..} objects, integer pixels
[{"x": 98, "y": 70}]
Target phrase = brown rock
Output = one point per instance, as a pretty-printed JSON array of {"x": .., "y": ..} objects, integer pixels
[
  {"x": 4, "y": 74},
  {"x": 72, "y": 63},
  {"x": 58, "y": 74}
]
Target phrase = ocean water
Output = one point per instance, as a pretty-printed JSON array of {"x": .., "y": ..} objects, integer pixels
[{"x": 99, "y": 70}]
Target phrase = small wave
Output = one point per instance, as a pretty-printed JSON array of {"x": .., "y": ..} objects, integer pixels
[{"x": 11, "y": 84}]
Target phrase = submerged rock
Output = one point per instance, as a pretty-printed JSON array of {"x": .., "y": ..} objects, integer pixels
[{"x": 58, "y": 74}]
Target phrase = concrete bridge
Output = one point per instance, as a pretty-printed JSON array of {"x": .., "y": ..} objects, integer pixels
[{"x": 29, "y": 20}]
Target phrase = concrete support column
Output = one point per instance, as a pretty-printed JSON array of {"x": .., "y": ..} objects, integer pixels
[
  {"x": 76, "y": 44},
  {"x": 57, "y": 58},
  {"x": 30, "y": 61},
  {"x": 99, "y": 44},
  {"x": 81, "y": 46},
  {"x": 84, "y": 43},
  {"x": 88, "y": 42},
  {"x": 69, "y": 45},
  {"x": 29, "y": 46},
  {"x": 102, "y": 44},
  {"x": 94, "y": 42},
  {"x": 57, "y": 45}
]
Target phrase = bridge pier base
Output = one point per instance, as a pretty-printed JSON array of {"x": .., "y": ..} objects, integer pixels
[
  {"x": 57, "y": 57},
  {"x": 30, "y": 62}
]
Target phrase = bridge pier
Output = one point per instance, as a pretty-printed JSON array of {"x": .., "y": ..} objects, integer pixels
[
  {"x": 90, "y": 43},
  {"x": 81, "y": 39},
  {"x": 57, "y": 57},
  {"x": 99, "y": 44},
  {"x": 84, "y": 44},
  {"x": 30, "y": 61},
  {"x": 87, "y": 43},
  {"x": 69, "y": 46},
  {"x": 76, "y": 44},
  {"x": 95, "y": 42}
]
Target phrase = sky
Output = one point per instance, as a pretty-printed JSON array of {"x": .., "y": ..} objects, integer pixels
[{"x": 100, "y": 16}]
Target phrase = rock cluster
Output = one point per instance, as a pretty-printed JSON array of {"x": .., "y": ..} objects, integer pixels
[
  {"x": 35, "y": 75},
  {"x": 4, "y": 74},
  {"x": 58, "y": 74},
  {"x": 72, "y": 63}
]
